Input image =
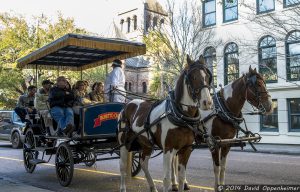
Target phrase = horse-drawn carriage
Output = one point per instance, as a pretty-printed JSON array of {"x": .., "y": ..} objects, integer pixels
[
  {"x": 96, "y": 123},
  {"x": 168, "y": 120}
]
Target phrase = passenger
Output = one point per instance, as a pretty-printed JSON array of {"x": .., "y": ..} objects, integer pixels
[
  {"x": 25, "y": 104},
  {"x": 97, "y": 93},
  {"x": 41, "y": 97},
  {"x": 61, "y": 100},
  {"x": 115, "y": 81},
  {"x": 81, "y": 96}
]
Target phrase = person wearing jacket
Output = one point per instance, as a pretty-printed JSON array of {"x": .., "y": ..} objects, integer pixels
[
  {"x": 61, "y": 100},
  {"x": 41, "y": 96},
  {"x": 115, "y": 83},
  {"x": 25, "y": 104}
]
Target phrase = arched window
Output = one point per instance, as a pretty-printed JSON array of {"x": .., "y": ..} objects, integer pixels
[
  {"x": 231, "y": 63},
  {"x": 293, "y": 56},
  {"x": 148, "y": 22},
  {"x": 161, "y": 22},
  {"x": 268, "y": 59},
  {"x": 122, "y": 24},
  {"x": 130, "y": 87},
  {"x": 144, "y": 87},
  {"x": 134, "y": 22},
  {"x": 128, "y": 25},
  {"x": 126, "y": 86},
  {"x": 155, "y": 22},
  {"x": 211, "y": 62}
]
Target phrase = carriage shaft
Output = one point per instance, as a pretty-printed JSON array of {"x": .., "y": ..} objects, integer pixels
[{"x": 237, "y": 140}]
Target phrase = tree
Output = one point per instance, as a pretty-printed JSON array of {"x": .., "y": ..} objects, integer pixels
[
  {"x": 278, "y": 25},
  {"x": 17, "y": 39},
  {"x": 182, "y": 33}
]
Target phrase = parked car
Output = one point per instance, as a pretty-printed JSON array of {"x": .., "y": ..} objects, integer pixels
[{"x": 11, "y": 128}]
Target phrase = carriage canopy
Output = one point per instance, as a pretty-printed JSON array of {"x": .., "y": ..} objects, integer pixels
[{"x": 80, "y": 52}]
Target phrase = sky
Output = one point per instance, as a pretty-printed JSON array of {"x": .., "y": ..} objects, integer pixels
[{"x": 94, "y": 15}]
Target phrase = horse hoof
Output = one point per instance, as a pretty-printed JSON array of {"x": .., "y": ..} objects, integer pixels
[
  {"x": 174, "y": 187},
  {"x": 186, "y": 187}
]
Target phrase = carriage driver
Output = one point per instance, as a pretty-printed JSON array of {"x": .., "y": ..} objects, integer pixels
[
  {"x": 61, "y": 100},
  {"x": 115, "y": 83}
]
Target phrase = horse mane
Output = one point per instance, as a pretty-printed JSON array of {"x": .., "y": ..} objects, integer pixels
[{"x": 179, "y": 88}]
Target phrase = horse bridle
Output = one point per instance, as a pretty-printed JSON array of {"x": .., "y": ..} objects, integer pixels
[
  {"x": 195, "y": 90},
  {"x": 252, "y": 82}
]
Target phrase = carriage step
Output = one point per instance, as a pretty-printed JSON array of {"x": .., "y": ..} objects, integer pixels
[{"x": 36, "y": 161}]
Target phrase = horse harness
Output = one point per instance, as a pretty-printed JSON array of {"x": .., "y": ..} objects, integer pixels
[{"x": 174, "y": 114}]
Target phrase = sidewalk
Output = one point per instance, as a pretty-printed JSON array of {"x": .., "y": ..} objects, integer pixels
[
  {"x": 271, "y": 148},
  {"x": 9, "y": 185}
]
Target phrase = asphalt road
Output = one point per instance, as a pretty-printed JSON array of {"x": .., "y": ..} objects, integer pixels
[{"x": 243, "y": 168}]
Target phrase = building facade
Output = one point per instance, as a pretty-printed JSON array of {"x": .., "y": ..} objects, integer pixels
[
  {"x": 260, "y": 34},
  {"x": 132, "y": 24}
]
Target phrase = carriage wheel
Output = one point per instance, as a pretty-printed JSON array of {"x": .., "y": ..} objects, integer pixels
[
  {"x": 28, "y": 151},
  {"x": 64, "y": 164},
  {"x": 136, "y": 164},
  {"x": 90, "y": 159}
]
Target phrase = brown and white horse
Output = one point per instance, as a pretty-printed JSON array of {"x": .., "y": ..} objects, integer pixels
[
  {"x": 250, "y": 87},
  {"x": 191, "y": 92}
]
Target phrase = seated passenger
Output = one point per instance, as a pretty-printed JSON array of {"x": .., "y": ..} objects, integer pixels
[
  {"x": 25, "y": 104},
  {"x": 61, "y": 100},
  {"x": 41, "y": 96},
  {"x": 81, "y": 96},
  {"x": 97, "y": 94}
]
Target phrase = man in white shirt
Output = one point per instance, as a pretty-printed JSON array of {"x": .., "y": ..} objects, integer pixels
[{"x": 115, "y": 83}]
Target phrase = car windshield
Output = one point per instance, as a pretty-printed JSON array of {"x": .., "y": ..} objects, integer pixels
[{"x": 5, "y": 115}]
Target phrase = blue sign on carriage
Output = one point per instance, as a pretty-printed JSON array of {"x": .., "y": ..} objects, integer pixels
[{"x": 100, "y": 119}]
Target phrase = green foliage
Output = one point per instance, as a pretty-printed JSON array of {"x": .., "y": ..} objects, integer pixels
[{"x": 19, "y": 38}]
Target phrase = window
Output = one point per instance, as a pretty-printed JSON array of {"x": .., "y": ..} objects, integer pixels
[
  {"x": 148, "y": 22},
  {"x": 264, "y": 6},
  {"x": 209, "y": 13},
  {"x": 268, "y": 59},
  {"x": 230, "y": 10},
  {"x": 128, "y": 25},
  {"x": 293, "y": 56},
  {"x": 134, "y": 22},
  {"x": 154, "y": 22},
  {"x": 161, "y": 23},
  {"x": 294, "y": 114},
  {"x": 144, "y": 87},
  {"x": 211, "y": 62},
  {"x": 126, "y": 86},
  {"x": 130, "y": 87},
  {"x": 270, "y": 122},
  {"x": 231, "y": 63},
  {"x": 289, "y": 3},
  {"x": 122, "y": 23}
]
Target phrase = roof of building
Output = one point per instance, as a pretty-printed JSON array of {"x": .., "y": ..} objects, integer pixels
[
  {"x": 137, "y": 62},
  {"x": 154, "y": 5}
]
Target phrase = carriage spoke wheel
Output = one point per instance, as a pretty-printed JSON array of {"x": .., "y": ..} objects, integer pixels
[
  {"x": 29, "y": 152},
  {"x": 90, "y": 159},
  {"x": 64, "y": 164},
  {"x": 136, "y": 163}
]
